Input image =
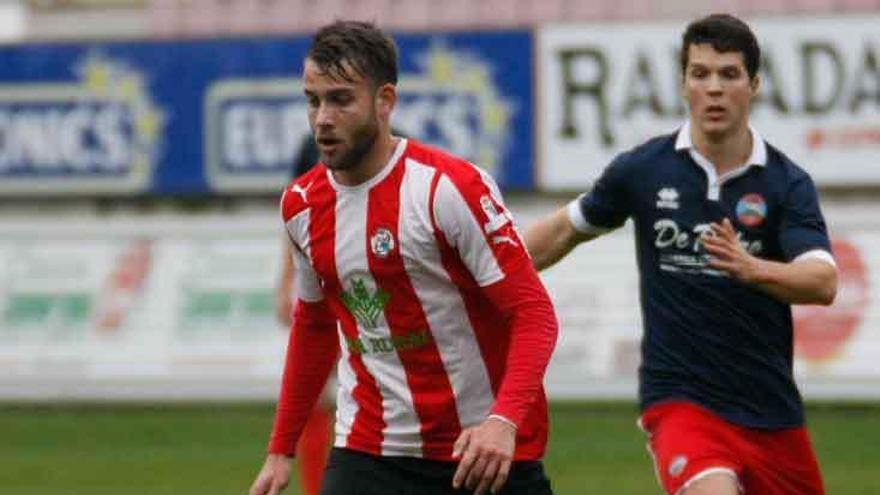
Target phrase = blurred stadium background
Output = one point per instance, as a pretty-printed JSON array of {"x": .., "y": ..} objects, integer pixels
[{"x": 144, "y": 143}]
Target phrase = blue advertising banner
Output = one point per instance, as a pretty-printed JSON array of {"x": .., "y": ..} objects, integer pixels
[{"x": 228, "y": 116}]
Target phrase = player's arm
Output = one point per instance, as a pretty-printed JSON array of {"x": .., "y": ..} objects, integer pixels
[
  {"x": 810, "y": 278},
  {"x": 807, "y": 281},
  {"x": 553, "y": 237},
  {"x": 527, "y": 309},
  {"x": 472, "y": 219},
  {"x": 604, "y": 208},
  {"x": 284, "y": 291},
  {"x": 311, "y": 352}
]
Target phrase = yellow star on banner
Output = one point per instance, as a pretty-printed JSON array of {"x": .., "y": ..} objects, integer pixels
[
  {"x": 496, "y": 116},
  {"x": 147, "y": 125},
  {"x": 97, "y": 77},
  {"x": 131, "y": 87},
  {"x": 475, "y": 79},
  {"x": 441, "y": 66}
]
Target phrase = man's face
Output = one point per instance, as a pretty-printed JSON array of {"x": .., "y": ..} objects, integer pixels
[
  {"x": 718, "y": 90},
  {"x": 342, "y": 115}
]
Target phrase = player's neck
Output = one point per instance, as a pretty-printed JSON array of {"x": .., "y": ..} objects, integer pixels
[
  {"x": 725, "y": 152},
  {"x": 372, "y": 163}
]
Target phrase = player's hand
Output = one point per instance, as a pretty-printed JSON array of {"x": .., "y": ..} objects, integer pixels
[
  {"x": 485, "y": 453},
  {"x": 727, "y": 254},
  {"x": 273, "y": 477}
]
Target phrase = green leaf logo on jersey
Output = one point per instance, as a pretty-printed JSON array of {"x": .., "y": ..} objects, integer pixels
[{"x": 364, "y": 304}]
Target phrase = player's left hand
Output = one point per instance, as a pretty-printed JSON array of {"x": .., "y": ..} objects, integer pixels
[
  {"x": 727, "y": 254},
  {"x": 486, "y": 454}
]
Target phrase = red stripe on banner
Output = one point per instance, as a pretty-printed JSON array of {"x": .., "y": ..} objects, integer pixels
[
  {"x": 366, "y": 432},
  {"x": 411, "y": 336}
]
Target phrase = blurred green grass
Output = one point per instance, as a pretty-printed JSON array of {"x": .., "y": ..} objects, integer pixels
[{"x": 195, "y": 449}]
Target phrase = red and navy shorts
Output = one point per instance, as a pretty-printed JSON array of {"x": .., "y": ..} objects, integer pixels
[{"x": 689, "y": 442}]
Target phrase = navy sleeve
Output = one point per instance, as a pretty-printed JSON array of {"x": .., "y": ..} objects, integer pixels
[
  {"x": 607, "y": 204},
  {"x": 802, "y": 227}
]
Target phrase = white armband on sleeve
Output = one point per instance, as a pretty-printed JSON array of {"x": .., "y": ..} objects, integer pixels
[
  {"x": 576, "y": 217},
  {"x": 817, "y": 254}
]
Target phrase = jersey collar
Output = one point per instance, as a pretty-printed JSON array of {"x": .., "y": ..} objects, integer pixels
[
  {"x": 389, "y": 166},
  {"x": 759, "y": 147},
  {"x": 758, "y": 158}
]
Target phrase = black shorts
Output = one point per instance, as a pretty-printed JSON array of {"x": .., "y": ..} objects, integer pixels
[{"x": 350, "y": 472}]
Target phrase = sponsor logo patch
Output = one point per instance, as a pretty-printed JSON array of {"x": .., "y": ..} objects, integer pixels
[
  {"x": 497, "y": 219},
  {"x": 366, "y": 305}
]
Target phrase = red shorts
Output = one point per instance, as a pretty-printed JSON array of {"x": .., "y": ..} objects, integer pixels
[{"x": 689, "y": 442}]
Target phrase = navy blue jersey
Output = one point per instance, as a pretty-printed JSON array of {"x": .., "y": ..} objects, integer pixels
[{"x": 707, "y": 337}]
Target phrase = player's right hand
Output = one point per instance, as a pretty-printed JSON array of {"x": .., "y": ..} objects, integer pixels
[
  {"x": 273, "y": 477},
  {"x": 485, "y": 454}
]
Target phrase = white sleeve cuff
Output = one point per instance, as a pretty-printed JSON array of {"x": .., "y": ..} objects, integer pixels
[
  {"x": 576, "y": 217},
  {"x": 817, "y": 254}
]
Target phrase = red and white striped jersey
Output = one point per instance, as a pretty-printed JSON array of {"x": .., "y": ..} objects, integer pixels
[{"x": 402, "y": 260}]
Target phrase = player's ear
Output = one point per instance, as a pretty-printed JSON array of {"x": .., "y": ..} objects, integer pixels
[
  {"x": 386, "y": 98},
  {"x": 755, "y": 84}
]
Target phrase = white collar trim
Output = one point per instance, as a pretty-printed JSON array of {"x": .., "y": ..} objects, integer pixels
[
  {"x": 759, "y": 147},
  {"x": 758, "y": 158}
]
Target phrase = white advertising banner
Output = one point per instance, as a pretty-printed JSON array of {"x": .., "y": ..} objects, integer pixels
[
  {"x": 604, "y": 88},
  {"x": 176, "y": 307},
  {"x": 182, "y": 307}
]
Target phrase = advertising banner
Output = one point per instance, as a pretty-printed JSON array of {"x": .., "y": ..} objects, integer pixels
[
  {"x": 228, "y": 116},
  {"x": 184, "y": 307},
  {"x": 604, "y": 90}
]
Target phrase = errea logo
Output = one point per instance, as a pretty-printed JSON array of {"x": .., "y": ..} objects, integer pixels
[{"x": 667, "y": 198}]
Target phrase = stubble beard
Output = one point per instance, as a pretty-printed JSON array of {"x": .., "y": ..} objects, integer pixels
[{"x": 362, "y": 141}]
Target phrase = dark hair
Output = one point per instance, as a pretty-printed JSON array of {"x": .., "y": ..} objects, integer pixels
[
  {"x": 367, "y": 50},
  {"x": 725, "y": 33}
]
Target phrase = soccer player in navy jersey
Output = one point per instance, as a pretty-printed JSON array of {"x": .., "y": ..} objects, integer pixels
[
  {"x": 729, "y": 235},
  {"x": 409, "y": 268}
]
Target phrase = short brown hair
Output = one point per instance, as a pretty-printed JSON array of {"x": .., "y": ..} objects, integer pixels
[{"x": 367, "y": 50}]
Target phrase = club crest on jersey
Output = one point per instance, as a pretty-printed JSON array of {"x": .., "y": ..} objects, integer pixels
[
  {"x": 751, "y": 210},
  {"x": 496, "y": 219},
  {"x": 382, "y": 242},
  {"x": 667, "y": 198}
]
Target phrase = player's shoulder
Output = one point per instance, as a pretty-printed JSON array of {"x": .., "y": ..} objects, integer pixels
[
  {"x": 295, "y": 197},
  {"x": 648, "y": 153},
  {"x": 461, "y": 172},
  {"x": 782, "y": 166},
  {"x": 435, "y": 157}
]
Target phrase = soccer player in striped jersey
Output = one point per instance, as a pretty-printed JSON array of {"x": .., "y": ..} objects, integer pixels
[
  {"x": 410, "y": 269},
  {"x": 729, "y": 234}
]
